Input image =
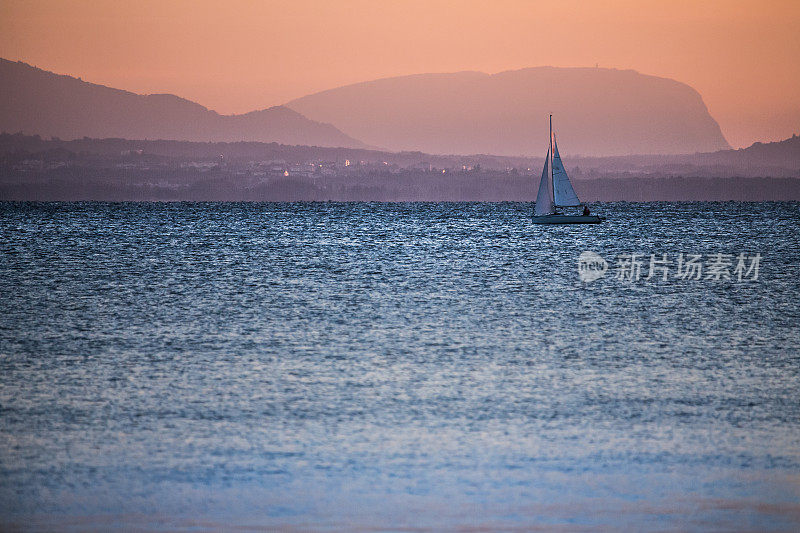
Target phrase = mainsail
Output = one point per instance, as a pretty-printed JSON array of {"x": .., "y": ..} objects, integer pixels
[
  {"x": 563, "y": 193},
  {"x": 544, "y": 199}
]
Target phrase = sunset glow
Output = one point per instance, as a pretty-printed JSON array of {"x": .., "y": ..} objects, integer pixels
[{"x": 740, "y": 56}]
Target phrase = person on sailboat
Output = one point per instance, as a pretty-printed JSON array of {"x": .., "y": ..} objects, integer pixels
[{"x": 585, "y": 210}]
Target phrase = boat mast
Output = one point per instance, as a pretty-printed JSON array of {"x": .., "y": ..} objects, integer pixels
[{"x": 552, "y": 183}]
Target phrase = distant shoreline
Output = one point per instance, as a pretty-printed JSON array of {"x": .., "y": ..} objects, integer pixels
[{"x": 35, "y": 169}]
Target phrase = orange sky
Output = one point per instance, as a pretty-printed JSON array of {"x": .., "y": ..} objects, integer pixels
[{"x": 236, "y": 56}]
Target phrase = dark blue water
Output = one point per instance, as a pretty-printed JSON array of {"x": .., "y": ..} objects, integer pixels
[{"x": 390, "y": 366}]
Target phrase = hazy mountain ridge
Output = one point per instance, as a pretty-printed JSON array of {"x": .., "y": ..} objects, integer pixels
[
  {"x": 785, "y": 153},
  {"x": 596, "y": 112},
  {"x": 33, "y": 100}
]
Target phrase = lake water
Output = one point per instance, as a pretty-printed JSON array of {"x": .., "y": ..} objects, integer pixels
[{"x": 388, "y": 367}]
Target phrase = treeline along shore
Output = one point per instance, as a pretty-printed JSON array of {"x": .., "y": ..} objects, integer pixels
[{"x": 34, "y": 169}]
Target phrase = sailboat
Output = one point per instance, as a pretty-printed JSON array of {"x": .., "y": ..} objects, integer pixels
[{"x": 556, "y": 191}]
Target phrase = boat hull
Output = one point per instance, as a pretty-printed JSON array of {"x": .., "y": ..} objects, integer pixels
[{"x": 567, "y": 219}]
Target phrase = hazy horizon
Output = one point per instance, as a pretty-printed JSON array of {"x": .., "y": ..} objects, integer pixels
[{"x": 253, "y": 56}]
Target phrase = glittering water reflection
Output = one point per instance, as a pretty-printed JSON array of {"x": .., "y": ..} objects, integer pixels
[{"x": 388, "y": 365}]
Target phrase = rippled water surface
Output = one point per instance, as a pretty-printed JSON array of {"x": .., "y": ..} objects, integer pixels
[{"x": 391, "y": 366}]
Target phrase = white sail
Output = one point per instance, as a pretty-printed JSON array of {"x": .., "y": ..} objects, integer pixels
[
  {"x": 563, "y": 193},
  {"x": 544, "y": 199}
]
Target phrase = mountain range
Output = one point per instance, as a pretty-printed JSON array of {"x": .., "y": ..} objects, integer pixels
[
  {"x": 597, "y": 112},
  {"x": 35, "y": 101}
]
